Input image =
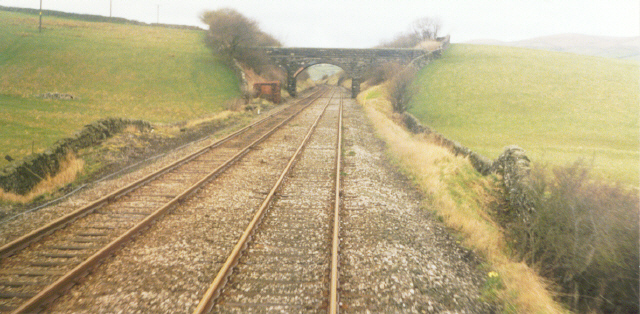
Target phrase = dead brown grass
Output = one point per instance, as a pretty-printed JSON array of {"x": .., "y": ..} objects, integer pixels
[
  {"x": 459, "y": 196},
  {"x": 71, "y": 166},
  {"x": 430, "y": 45},
  {"x": 220, "y": 116}
]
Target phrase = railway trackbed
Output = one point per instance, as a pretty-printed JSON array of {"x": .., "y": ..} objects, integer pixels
[
  {"x": 41, "y": 265},
  {"x": 286, "y": 259},
  {"x": 262, "y": 236}
]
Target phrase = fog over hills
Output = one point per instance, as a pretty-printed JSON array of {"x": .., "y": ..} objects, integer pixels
[{"x": 602, "y": 46}]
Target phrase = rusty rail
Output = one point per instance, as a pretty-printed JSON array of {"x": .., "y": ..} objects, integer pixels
[
  {"x": 207, "y": 301},
  {"x": 335, "y": 243}
]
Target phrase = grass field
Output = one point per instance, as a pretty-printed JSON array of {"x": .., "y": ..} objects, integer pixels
[
  {"x": 141, "y": 72},
  {"x": 559, "y": 107}
]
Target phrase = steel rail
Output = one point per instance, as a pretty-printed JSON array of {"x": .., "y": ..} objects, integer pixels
[
  {"x": 52, "y": 291},
  {"x": 207, "y": 301},
  {"x": 10, "y": 248},
  {"x": 335, "y": 243}
]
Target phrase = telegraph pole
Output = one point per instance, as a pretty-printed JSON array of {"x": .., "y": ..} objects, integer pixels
[
  {"x": 158, "y": 18},
  {"x": 40, "y": 27},
  {"x": 110, "y": 6}
]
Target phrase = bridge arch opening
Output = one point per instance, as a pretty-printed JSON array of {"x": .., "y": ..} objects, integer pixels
[
  {"x": 326, "y": 73},
  {"x": 323, "y": 72}
]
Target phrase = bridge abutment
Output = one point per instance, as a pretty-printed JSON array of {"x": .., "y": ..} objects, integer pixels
[
  {"x": 292, "y": 85},
  {"x": 355, "y": 87}
]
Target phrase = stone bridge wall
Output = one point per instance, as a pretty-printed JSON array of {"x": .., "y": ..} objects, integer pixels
[{"x": 355, "y": 62}]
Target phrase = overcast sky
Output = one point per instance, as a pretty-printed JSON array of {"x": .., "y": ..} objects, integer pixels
[{"x": 365, "y": 23}]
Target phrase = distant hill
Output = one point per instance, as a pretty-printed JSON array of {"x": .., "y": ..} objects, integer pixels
[{"x": 601, "y": 46}]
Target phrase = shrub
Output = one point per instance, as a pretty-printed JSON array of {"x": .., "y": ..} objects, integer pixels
[
  {"x": 401, "y": 90},
  {"x": 304, "y": 75},
  {"x": 583, "y": 236},
  {"x": 383, "y": 72}
]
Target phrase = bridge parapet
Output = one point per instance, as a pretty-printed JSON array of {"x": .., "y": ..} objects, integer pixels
[{"x": 344, "y": 52}]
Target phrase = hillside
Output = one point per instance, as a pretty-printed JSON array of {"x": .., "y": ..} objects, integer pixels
[
  {"x": 600, "y": 46},
  {"x": 559, "y": 107},
  {"x": 152, "y": 73}
]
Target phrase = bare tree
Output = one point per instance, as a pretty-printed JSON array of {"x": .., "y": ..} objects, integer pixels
[
  {"x": 426, "y": 28},
  {"x": 422, "y": 29},
  {"x": 231, "y": 34}
]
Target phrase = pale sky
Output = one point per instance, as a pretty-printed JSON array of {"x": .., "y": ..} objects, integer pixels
[{"x": 366, "y": 23}]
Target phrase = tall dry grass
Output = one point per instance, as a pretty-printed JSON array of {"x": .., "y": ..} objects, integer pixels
[
  {"x": 70, "y": 167},
  {"x": 220, "y": 116},
  {"x": 461, "y": 197}
]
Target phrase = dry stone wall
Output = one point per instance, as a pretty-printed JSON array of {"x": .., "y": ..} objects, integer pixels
[
  {"x": 513, "y": 165},
  {"x": 21, "y": 176},
  {"x": 61, "y": 96}
]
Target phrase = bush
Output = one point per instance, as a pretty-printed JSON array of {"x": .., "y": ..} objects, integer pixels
[
  {"x": 583, "y": 236},
  {"x": 401, "y": 90},
  {"x": 383, "y": 72}
]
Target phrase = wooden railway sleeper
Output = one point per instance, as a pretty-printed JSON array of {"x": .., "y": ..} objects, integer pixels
[{"x": 213, "y": 292}]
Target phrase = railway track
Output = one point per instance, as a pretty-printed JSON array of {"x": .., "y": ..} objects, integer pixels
[
  {"x": 396, "y": 259},
  {"x": 286, "y": 259},
  {"x": 41, "y": 265}
]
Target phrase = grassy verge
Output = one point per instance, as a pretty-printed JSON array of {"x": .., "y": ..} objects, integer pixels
[
  {"x": 559, "y": 107},
  {"x": 462, "y": 198},
  {"x": 156, "y": 74},
  {"x": 71, "y": 167}
]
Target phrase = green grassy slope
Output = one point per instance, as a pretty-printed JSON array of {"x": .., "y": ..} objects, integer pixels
[
  {"x": 140, "y": 72},
  {"x": 559, "y": 107}
]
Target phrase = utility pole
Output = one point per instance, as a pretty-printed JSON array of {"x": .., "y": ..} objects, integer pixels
[
  {"x": 40, "y": 27},
  {"x": 110, "y": 6},
  {"x": 158, "y": 18}
]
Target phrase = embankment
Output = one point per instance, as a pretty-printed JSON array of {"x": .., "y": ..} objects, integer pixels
[{"x": 21, "y": 176}]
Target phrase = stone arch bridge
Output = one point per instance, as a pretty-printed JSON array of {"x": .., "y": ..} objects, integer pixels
[{"x": 355, "y": 62}]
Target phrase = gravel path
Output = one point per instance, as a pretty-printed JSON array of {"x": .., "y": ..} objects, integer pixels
[{"x": 395, "y": 257}]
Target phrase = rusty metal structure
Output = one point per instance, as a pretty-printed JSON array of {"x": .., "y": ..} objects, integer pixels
[{"x": 268, "y": 90}]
